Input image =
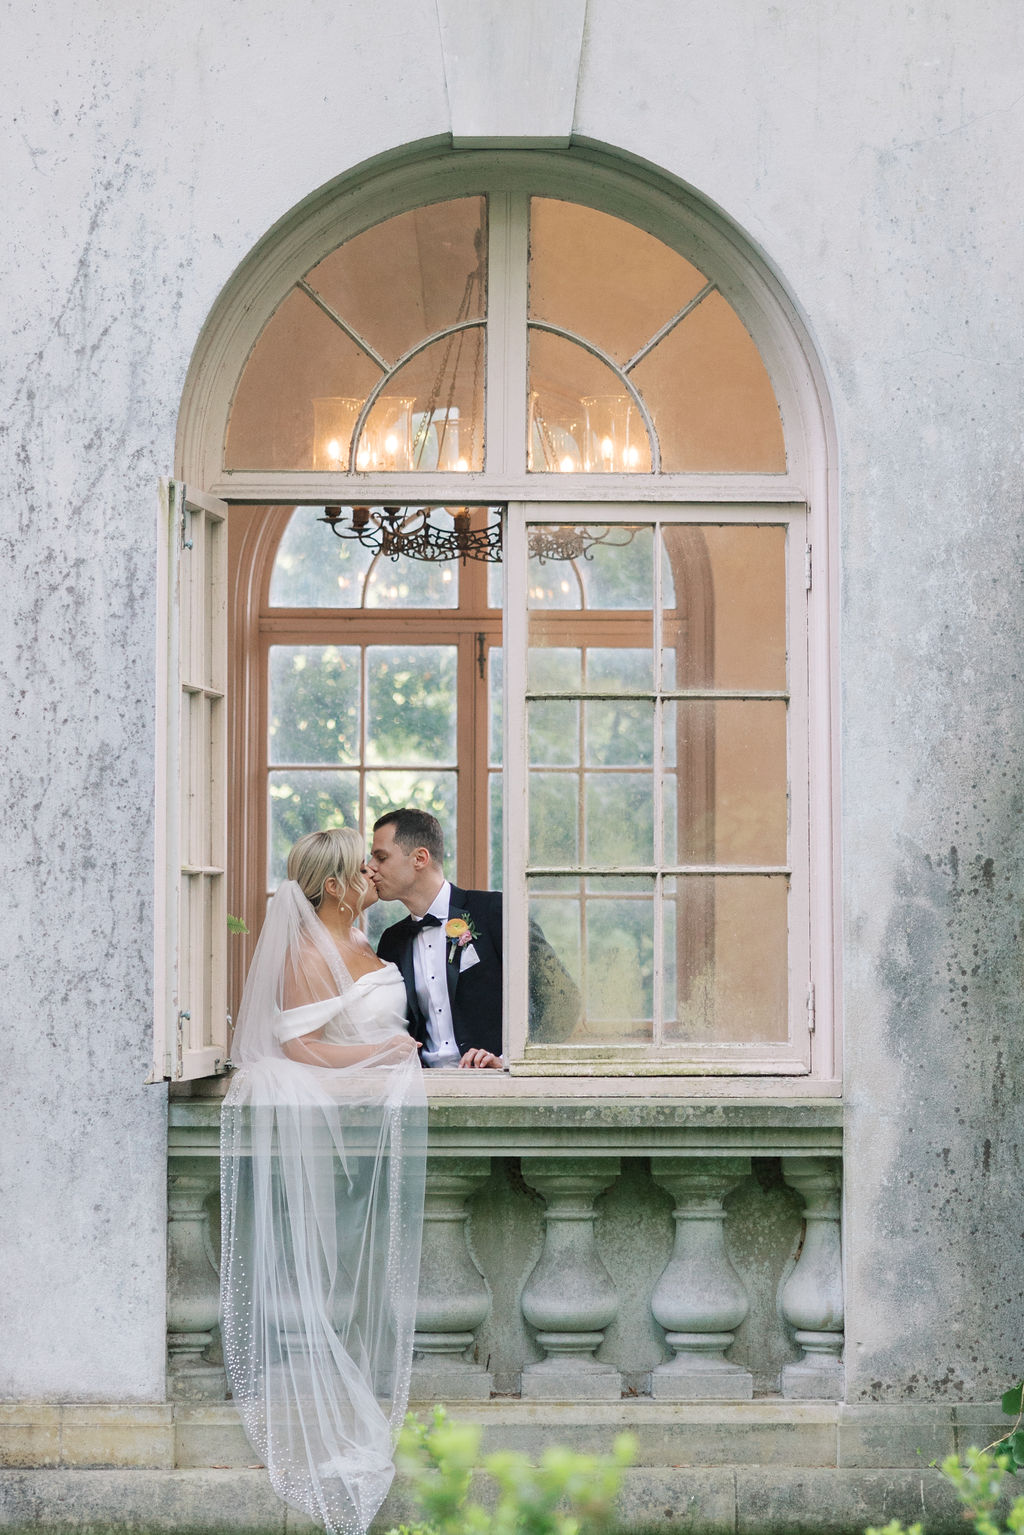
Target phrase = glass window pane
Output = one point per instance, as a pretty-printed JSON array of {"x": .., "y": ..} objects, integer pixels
[
  {"x": 314, "y": 569},
  {"x": 618, "y": 734},
  {"x": 409, "y": 583},
  {"x": 602, "y": 278},
  {"x": 554, "y": 970},
  {"x": 727, "y": 958},
  {"x": 614, "y": 570},
  {"x": 430, "y": 789},
  {"x": 553, "y": 732},
  {"x": 557, "y": 669},
  {"x": 730, "y": 793},
  {"x": 314, "y": 703},
  {"x": 554, "y": 833},
  {"x": 582, "y": 418},
  {"x": 618, "y": 817},
  {"x": 619, "y": 574},
  {"x": 431, "y": 416},
  {"x": 552, "y": 583},
  {"x": 618, "y": 982},
  {"x": 618, "y": 669},
  {"x": 300, "y": 356},
  {"x": 495, "y": 585},
  {"x": 305, "y": 801},
  {"x": 409, "y": 276},
  {"x": 710, "y": 396},
  {"x": 306, "y": 379},
  {"x": 725, "y": 607},
  {"x": 495, "y": 704},
  {"x": 495, "y": 859},
  {"x": 411, "y": 713}
]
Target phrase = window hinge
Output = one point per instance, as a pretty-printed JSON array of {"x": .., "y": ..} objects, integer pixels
[
  {"x": 807, "y": 567},
  {"x": 186, "y": 542},
  {"x": 481, "y": 656},
  {"x": 810, "y": 1008}
]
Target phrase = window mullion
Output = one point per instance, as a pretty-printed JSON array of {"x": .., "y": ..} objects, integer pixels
[
  {"x": 658, "y": 999},
  {"x": 505, "y": 405},
  {"x": 515, "y": 756}
]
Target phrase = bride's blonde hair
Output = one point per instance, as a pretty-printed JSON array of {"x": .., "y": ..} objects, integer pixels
[{"x": 316, "y": 857}]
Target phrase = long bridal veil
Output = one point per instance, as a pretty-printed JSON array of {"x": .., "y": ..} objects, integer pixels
[{"x": 322, "y": 1169}]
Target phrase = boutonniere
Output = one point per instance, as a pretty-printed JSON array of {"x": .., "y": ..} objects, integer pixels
[{"x": 459, "y": 931}]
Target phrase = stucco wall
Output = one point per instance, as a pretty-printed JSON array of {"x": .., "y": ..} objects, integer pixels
[{"x": 869, "y": 153}]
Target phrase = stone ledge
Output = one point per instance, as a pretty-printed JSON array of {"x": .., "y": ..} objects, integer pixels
[
  {"x": 582, "y": 1126},
  {"x": 769, "y": 1432},
  {"x": 742, "y": 1500},
  {"x": 92, "y": 1434}
]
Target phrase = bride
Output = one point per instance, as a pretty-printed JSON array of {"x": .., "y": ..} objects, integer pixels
[{"x": 323, "y": 1141}]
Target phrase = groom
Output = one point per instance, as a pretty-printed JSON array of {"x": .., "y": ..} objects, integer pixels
[{"x": 449, "y": 950}]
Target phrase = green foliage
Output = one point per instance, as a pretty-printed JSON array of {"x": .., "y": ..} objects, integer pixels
[
  {"x": 236, "y": 925},
  {"x": 978, "y": 1481},
  {"x": 564, "y": 1494},
  {"x": 1013, "y": 1445}
]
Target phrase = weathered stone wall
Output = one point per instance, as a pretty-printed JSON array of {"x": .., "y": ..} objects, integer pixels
[{"x": 869, "y": 151}]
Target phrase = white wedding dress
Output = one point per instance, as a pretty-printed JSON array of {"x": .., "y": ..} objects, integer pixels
[{"x": 322, "y": 1169}]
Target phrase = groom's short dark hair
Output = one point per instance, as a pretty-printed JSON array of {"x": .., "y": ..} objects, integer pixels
[{"x": 413, "y": 829}]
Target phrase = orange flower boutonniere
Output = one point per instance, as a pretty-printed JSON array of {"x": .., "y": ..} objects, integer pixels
[{"x": 459, "y": 931}]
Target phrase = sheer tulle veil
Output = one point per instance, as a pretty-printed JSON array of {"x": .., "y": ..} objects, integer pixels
[{"x": 322, "y": 1170}]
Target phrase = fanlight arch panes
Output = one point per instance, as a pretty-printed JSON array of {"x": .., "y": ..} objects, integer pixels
[
  {"x": 301, "y": 358},
  {"x": 345, "y": 330},
  {"x": 671, "y": 338},
  {"x": 432, "y": 414},
  {"x": 582, "y": 416},
  {"x": 377, "y": 359},
  {"x": 710, "y": 397}
]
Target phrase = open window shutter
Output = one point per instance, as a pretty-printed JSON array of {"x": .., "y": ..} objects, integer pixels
[{"x": 190, "y": 976}]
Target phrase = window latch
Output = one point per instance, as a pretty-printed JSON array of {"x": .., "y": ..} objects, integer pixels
[{"x": 481, "y": 656}]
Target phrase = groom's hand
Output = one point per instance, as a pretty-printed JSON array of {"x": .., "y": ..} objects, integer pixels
[{"x": 481, "y": 1059}]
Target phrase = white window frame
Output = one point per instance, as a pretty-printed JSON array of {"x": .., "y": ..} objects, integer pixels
[
  {"x": 705, "y": 237},
  {"x": 795, "y": 1057},
  {"x": 190, "y": 908}
]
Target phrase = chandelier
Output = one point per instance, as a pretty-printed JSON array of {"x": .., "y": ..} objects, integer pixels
[
  {"x": 403, "y": 531},
  {"x": 398, "y": 532}
]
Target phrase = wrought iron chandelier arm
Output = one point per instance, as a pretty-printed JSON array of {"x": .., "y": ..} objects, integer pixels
[{"x": 397, "y": 531}]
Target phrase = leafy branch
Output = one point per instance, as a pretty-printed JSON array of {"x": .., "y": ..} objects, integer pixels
[{"x": 563, "y": 1494}]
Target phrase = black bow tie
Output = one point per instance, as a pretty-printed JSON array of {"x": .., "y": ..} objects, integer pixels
[{"x": 428, "y": 921}]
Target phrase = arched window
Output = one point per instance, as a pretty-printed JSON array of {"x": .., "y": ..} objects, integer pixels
[{"x": 622, "y": 715}]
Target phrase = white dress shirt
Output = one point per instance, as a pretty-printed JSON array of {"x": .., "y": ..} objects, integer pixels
[{"x": 429, "y": 961}]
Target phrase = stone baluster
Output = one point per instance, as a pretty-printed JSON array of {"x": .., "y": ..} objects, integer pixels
[
  {"x": 570, "y": 1297},
  {"x": 700, "y": 1299},
  {"x": 193, "y": 1286},
  {"x": 812, "y": 1297},
  {"x": 453, "y": 1299}
]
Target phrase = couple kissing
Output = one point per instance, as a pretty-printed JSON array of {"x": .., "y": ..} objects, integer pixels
[{"x": 449, "y": 951}]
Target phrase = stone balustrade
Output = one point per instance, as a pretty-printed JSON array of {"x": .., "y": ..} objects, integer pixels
[
  {"x": 700, "y": 1299},
  {"x": 193, "y": 1286},
  {"x": 718, "y": 1277},
  {"x": 453, "y": 1298},
  {"x": 812, "y": 1298},
  {"x": 570, "y": 1297}
]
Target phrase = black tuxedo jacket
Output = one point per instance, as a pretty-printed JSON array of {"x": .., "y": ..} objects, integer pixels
[{"x": 475, "y": 994}]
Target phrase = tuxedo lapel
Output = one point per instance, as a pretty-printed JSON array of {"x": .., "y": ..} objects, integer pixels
[
  {"x": 456, "y": 907},
  {"x": 407, "y": 937}
]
